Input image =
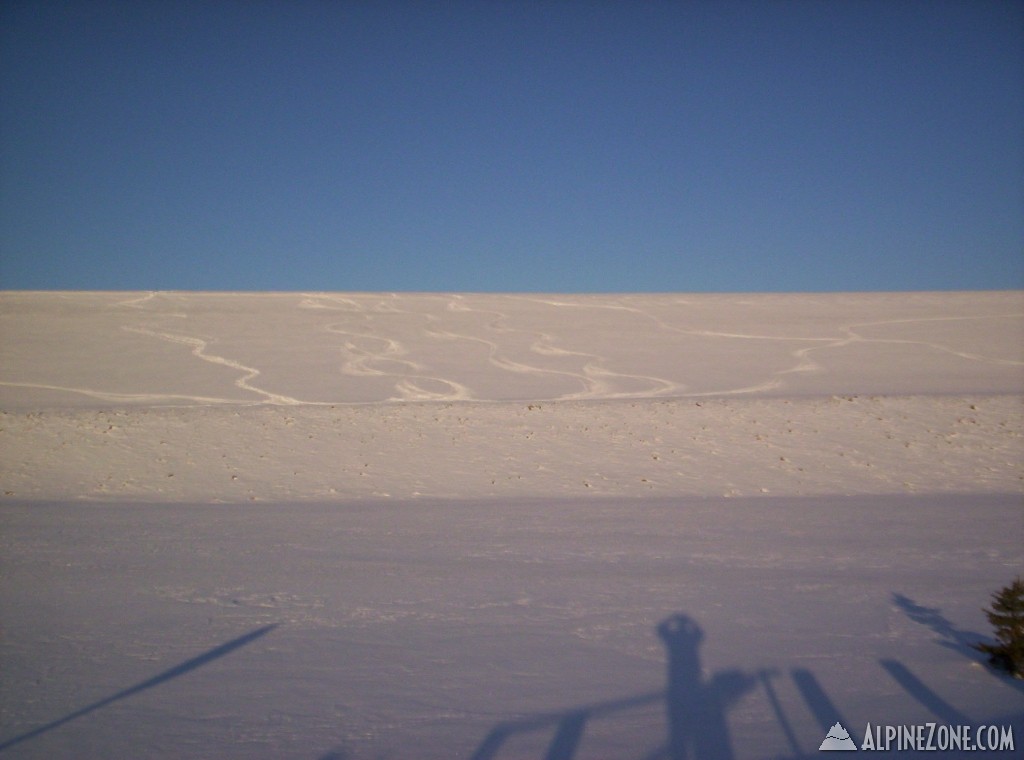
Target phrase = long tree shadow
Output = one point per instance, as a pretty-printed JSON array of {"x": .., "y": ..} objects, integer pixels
[
  {"x": 178, "y": 670},
  {"x": 960, "y": 641},
  {"x": 950, "y": 636}
]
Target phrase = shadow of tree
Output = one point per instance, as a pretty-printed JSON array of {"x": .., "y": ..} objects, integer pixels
[
  {"x": 178, "y": 670},
  {"x": 951, "y": 637}
]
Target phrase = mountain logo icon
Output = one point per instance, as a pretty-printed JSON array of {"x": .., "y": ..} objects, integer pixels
[{"x": 838, "y": 739}]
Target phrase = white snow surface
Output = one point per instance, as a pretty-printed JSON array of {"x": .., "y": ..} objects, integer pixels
[{"x": 563, "y": 527}]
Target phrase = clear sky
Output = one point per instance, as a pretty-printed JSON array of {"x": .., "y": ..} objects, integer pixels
[{"x": 595, "y": 146}]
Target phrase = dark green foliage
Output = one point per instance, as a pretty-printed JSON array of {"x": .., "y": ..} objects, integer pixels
[{"x": 1007, "y": 617}]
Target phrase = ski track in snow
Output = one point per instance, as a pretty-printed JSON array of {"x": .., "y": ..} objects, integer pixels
[
  {"x": 199, "y": 350},
  {"x": 406, "y": 338},
  {"x": 595, "y": 379},
  {"x": 804, "y": 363},
  {"x": 136, "y": 303},
  {"x": 367, "y": 361},
  {"x": 126, "y": 398}
]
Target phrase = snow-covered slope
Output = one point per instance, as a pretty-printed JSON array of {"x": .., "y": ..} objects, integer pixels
[
  {"x": 502, "y": 526},
  {"x": 174, "y": 348}
]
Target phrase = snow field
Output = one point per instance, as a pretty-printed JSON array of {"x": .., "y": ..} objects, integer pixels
[
  {"x": 424, "y": 628},
  {"x": 502, "y": 527},
  {"x": 627, "y": 448}
]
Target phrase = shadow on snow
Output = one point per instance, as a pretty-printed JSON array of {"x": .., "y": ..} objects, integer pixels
[
  {"x": 960, "y": 641},
  {"x": 178, "y": 670},
  {"x": 696, "y": 707}
]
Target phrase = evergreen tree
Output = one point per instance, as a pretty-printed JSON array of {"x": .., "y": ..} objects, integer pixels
[{"x": 1007, "y": 617}]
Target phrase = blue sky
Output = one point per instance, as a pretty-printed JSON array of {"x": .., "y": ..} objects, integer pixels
[{"x": 512, "y": 146}]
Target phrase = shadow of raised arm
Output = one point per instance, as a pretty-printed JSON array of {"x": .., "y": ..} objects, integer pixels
[{"x": 696, "y": 708}]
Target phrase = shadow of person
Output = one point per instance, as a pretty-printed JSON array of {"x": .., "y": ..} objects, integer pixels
[{"x": 696, "y": 708}]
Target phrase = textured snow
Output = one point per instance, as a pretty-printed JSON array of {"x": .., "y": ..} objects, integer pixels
[{"x": 502, "y": 526}]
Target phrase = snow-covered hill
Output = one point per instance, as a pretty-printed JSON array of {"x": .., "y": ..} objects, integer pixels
[{"x": 502, "y": 526}]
